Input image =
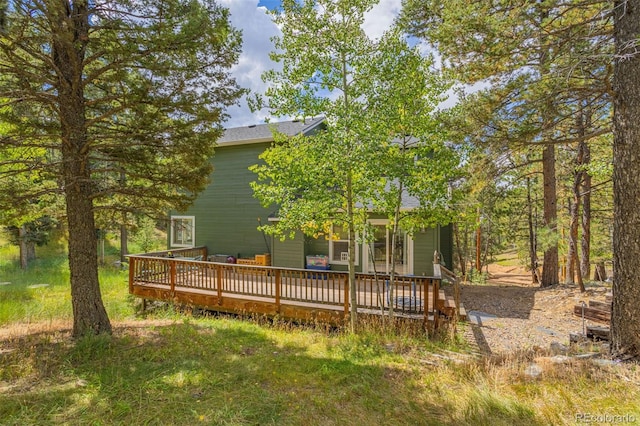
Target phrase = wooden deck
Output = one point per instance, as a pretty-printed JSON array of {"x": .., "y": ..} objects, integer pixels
[{"x": 298, "y": 294}]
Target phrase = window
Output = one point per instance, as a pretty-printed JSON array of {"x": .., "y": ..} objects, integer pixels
[
  {"x": 339, "y": 246},
  {"x": 183, "y": 231}
]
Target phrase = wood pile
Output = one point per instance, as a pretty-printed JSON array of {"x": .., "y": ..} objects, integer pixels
[{"x": 596, "y": 311}]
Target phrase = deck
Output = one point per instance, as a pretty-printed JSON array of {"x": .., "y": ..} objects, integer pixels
[{"x": 297, "y": 294}]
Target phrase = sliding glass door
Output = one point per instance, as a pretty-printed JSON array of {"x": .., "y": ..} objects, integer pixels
[{"x": 378, "y": 252}]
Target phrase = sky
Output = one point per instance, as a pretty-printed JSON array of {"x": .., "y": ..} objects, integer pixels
[{"x": 251, "y": 17}]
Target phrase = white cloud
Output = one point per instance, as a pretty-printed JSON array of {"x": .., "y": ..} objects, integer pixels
[
  {"x": 380, "y": 18},
  {"x": 257, "y": 30}
]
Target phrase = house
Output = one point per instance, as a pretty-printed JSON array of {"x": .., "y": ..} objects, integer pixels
[{"x": 225, "y": 217}]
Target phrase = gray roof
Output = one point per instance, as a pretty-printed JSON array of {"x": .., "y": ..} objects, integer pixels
[{"x": 262, "y": 132}]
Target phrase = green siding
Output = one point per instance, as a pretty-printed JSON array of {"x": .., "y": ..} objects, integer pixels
[
  {"x": 226, "y": 212},
  {"x": 226, "y": 219},
  {"x": 316, "y": 246},
  {"x": 289, "y": 253},
  {"x": 446, "y": 246},
  {"x": 424, "y": 244}
]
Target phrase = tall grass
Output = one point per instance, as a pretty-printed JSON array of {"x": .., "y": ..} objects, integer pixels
[
  {"x": 42, "y": 292},
  {"x": 222, "y": 371}
]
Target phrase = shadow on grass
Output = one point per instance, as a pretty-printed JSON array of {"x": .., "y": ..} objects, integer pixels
[{"x": 215, "y": 373}]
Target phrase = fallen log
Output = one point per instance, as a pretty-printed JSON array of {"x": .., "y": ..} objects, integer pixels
[{"x": 603, "y": 306}]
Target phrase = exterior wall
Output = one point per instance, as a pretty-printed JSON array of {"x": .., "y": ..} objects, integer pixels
[
  {"x": 288, "y": 253},
  {"x": 226, "y": 212},
  {"x": 226, "y": 220},
  {"x": 446, "y": 246},
  {"x": 426, "y": 242},
  {"x": 424, "y": 245}
]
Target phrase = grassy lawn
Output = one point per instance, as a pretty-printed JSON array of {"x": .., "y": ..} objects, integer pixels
[{"x": 168, "y": 368}]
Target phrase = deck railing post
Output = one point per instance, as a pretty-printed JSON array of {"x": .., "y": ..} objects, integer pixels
[
  {"x": 425, "y": 282},
  {"x": 278, "y": 289},
  {"x": 172, "y": 276},
  {"x": 346, "y": 297},
  {"x": 219, "y": 272},
  {"x": 436, "y": 291}
]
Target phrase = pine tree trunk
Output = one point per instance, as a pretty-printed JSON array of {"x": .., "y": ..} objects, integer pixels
[
  {"x": 533, "y": 256},
  {"x": 585, "y": 266},
  {"x": 625, "y": 318},
  {"x": 22, "y": 241},
  {"x": 27, "y": 247},
  {"x": 574, "y": 210},
  {"x": 124, "y": 246},
  {"x": 124, "y": 235},
  {"x": 600, "y": 273},
  {"x": 550, "y": 262},
  {"x": 89, "y": 315},
  {"x": 478, "y": 242}
]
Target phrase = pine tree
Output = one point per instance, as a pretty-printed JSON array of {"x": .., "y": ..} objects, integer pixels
[{"x": 91, "y": 90}]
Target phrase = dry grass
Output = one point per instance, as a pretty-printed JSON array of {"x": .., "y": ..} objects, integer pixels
[
  {"x": 175, "y": 368},
  {"x": 225, "y": 370}
]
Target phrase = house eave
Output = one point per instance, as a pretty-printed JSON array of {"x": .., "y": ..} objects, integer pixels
[{"x": 245, "y": 142}]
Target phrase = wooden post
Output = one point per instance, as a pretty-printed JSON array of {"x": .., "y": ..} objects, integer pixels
[
  {"x": 172, "y": 276},
  {"x": 219, "y": 271},
  {"x": 346, "y": 297},
  {"x": 132, "y": 266},
  {"x": 426, "y": 300},
  {"x": 436, "y": 289},
  {"x": 278, "y": 289},
  {"x": 479, "y": 243}
]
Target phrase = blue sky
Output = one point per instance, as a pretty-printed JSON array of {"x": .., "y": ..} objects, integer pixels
[
  {"x": 251, "y": 17},
  {"x": 269, "y": 4}
]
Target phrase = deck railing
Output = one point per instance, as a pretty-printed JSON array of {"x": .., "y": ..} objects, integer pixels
[{"x": 188, "y": 276}]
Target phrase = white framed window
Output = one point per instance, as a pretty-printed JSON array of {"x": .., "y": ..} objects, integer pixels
[
  {"x": 183, "y": 231},
  {"x": 339, "y": 246}
]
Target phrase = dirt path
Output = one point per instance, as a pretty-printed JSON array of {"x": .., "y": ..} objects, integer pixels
[{"x": 508, "y": 313}]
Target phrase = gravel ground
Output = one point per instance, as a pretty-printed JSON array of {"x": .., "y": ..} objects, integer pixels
[{"x": 507, "y": 314}]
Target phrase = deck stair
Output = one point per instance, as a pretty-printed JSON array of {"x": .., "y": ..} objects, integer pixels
[{"x": 449, "y": 305}]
